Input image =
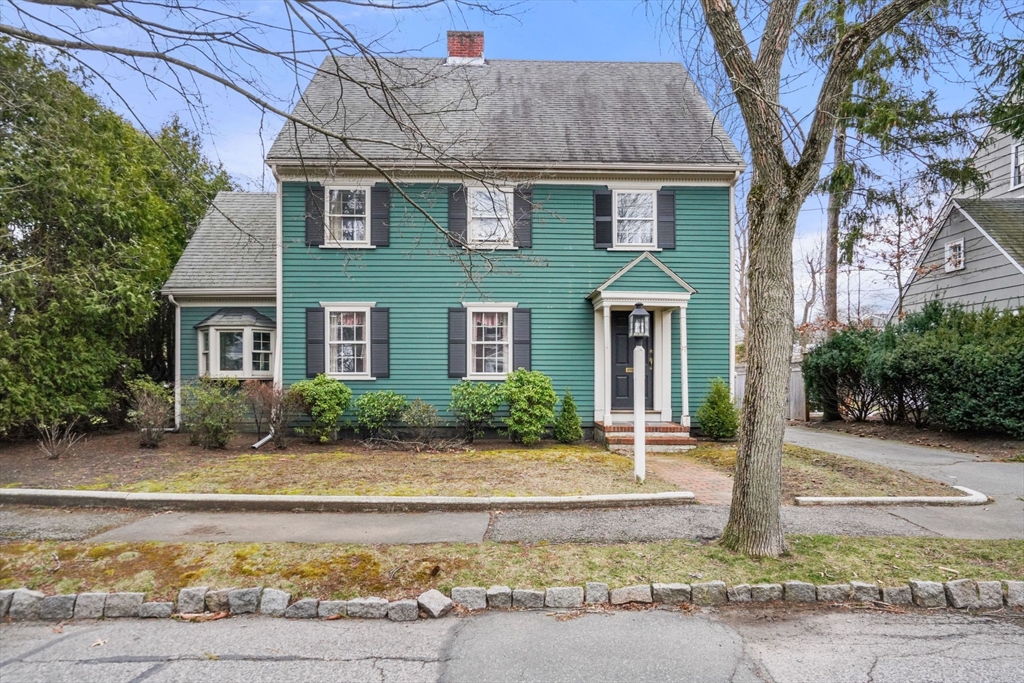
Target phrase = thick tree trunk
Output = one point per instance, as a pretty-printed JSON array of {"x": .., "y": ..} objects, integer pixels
[{"x": 755, "y": 525}]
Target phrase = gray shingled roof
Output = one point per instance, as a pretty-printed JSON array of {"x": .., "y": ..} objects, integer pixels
[
  {"x": 1002, "y": 219},
  {"x": 242, "y": 317},
  {"x": 233, "y": 247},
  {"x": 514, "y": 112}
]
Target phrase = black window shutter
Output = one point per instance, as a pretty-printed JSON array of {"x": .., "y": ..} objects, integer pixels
[
  {"x": 380, "y": 215},
  {"x": 380, "y": 342},
  {"x": 314, "y": 214},
  {"x": 602, "y": 219},
  {"x": 667, "y": 219},
  {"x": 522, "y": 212},
  {"x": 521, "y": 338},
  {"x": 314, "y": 341},
  {"x": 457, "y": 336},
  {"x": 457, "y": 213}
]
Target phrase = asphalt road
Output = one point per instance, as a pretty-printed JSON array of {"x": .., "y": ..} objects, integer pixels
[{"x": 732, "y": 645}]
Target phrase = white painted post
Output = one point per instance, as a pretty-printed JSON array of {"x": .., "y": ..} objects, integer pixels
[{"x": 639, "y": 408}]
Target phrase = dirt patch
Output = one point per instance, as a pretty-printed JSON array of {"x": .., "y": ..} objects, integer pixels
[
  {"x": 996, "y": 447},
  {"x": 114, "y": 461},
  {"x": 347, "y": 571},
  {"x": 808, "y": 472}
]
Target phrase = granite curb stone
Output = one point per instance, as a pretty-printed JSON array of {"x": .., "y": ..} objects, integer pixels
[
  {"x": 6, "y": 595},
  {"x": 435, "y": 603},
  {"x": 671, "y": 593},
  {"x": 90, "y": 605},
  {"x": 897, "y": 595},
  {"x": 626, "y": 594},
  {"x": 470, "y": 597},
  {"x": 499, "y": 597},
  {"x": 928, "y": 593},
  {"x": 274, "y": 602},
  {"x": 962, "y": 593},
  {"x": 404, "y": 610},
  {"x": 244, "y": 600},
  {"x": 331, "y": 608},
  {"x": 57, "y": 607},
  {"x": 302, "y": 609},
  {"x": 990, "y": 594},
  {"x": 834, "y": 593},
  {"x": 1014, "y": 593},
  {"x": 766, "y": 592},
  {"x": 799, "y": 591},
  {"x": 527, "y": 598},
  {"x": 596, "y": 593},
  {"x": 709, "y": 593},
  {"x": 123, "y": 605},
  {"x": 865, "y": 592},
  {"x": 367, "y": 608},
  {"x": 739, "y": 593},
  {"x": 564, "y": 597},
  {"x": 156, "y": 610},
  {"x": 25, "y": 605},
  {"x": 192, "y": 600},
  {"x": 217, "y": 600}
]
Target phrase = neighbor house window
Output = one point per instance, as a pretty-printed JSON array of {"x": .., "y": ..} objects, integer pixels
[
  {"x": 954, "y": 256},
  {"x": 347, "y": 217},
  {"x": 490, "y": 217},
  {"x": 347, "y": 349},
  {"x": 236, "y": 352},
  {"x": 1017, "y": 166},
  {"x": 635, "y": 219},
  {"x": 490, "y": 349}
]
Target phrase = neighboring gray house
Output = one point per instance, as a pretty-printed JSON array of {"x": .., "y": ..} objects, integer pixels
[{"x": 976, "y": 256}]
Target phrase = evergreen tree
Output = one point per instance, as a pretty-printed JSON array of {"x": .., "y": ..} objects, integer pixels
[{"x": 567, "y": 426}]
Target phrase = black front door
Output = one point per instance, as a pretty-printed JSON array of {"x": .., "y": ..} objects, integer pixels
[{"x": 622, "y": 362}]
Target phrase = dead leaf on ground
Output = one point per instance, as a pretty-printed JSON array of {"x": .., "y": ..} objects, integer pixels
[
  {"x": 99, "y": 643},
  {"x": 200, "y": 617}
]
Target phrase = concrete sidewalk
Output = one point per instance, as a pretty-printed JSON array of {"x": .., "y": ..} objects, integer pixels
[{"x": 1002, "y": 481}]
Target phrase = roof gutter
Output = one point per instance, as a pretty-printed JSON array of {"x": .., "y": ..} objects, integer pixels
[
  {"x": 596, "y": 167},
  {"x": 220, "y": 291}
]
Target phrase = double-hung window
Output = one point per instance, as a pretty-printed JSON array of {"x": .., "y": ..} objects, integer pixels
[
  {"x": 242, "y": 352},
  {"x": 954, "y": 256},
  {"x": 1017, "y": 166},
  {"x": 347, "y": 216},
  {"x": 490, "y": 342},
  {"x": 634, "y": 213},
  {"x": 490, "y": 217},
  {"x": 348, "y": 352}
]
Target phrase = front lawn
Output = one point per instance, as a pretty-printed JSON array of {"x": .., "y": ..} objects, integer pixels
[
  {"x": 808, "y": 472},
  {"x": 346, "y": 571}
]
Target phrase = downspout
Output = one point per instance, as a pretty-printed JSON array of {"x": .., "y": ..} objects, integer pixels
[
  {"x": 265, "y": 439},
  {"x": 177, "y": 365},
  {"x": 733, "y": 305}
]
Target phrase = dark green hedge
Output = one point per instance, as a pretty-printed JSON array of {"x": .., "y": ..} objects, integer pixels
[{"x": 962, "y": 370}]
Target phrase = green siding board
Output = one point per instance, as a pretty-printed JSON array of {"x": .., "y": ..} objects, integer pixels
[
  {"x": 419, "y": 277},
  {"x": 189, "y": 339}
]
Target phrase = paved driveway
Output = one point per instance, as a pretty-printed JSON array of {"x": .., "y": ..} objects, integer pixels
[{"x": 1003, "y": 481}]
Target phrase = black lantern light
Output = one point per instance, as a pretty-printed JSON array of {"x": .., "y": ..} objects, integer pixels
[{"x": 639, "y": 323}]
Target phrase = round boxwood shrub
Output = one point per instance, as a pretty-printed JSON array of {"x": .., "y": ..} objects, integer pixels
[
  {"x": 211, "y": 410},
  {"x": 325, "y": 400},
  {"x": 567, "y": 426},
  {"x": 531, "y": 405},
  {"x": 377, "y": 411},
  {"x": 718, "y": 416},
  {"x": 473, "y": 404}
]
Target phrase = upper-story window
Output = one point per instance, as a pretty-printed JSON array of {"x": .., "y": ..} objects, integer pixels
[
  {"x": 490, "y": 217},
  {"x": 347, "y": 216},
  {"x": 1017, "y": 166},
  {"x": 635, "y": 219},
  {"x": 954, "y": 256}
]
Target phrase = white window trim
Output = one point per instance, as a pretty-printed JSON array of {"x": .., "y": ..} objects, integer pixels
[
  {"x": 491, "y": 246},
  {"x": 211, "y": 366},
  {"x": 471, "y": 308},
  {"x": 950, "y": 266},
  {"x": 341, "y": 307},
  {"x": 1016, "y": 153},
  {"x": 342, "y": 244},
  {"x": 618, "y": 246}
]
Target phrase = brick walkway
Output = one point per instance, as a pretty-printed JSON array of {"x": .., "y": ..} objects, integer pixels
[{"x": 710, "y": 486}]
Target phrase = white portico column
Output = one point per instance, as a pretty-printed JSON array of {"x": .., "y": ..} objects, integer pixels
[
  {"x": 684, "y": 367},
  {"x": 607, "y": 311}
]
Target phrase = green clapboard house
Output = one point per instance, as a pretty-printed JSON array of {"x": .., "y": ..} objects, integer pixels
[{"x": 532, "y": 205}]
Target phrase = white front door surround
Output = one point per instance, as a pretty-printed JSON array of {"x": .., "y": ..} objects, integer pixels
[{"x": 658, "y": 304}]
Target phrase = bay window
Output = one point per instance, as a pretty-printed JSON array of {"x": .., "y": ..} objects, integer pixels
[{"x": 245, "y": 353}]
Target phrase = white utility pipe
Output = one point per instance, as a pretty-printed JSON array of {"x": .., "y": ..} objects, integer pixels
[
  {"x": 265, "y": 439},
  {"x": 639, "y": 413}
]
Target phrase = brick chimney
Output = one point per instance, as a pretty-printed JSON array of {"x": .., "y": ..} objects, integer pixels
[{"x": 466, "y": 47}]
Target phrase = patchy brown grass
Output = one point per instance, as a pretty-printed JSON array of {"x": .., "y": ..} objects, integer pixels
[
  {"x": 808, "y": 472},
  {"x": 346, "y": 571}
]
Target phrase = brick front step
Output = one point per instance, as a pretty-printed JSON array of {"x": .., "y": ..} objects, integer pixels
[
  {"x": 683, "y": 439},
  {"x": 650, "y": 428}
]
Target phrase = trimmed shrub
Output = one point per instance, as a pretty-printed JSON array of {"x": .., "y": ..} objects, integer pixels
[
  {"x": 378, "y": 411},
  {"x": 531, "y": 405},
  {"x": 718, "y": 416},
  {"x": 151, "y": 410},
  {"x": 567, "y": 426},
  {"x": 474, "y": 404},
  {"x": 324, "y": 400},
  {"x": 211, "y": 410},
  {"x": 839, "y": 368},
  {"x": 422, "y": 420}
]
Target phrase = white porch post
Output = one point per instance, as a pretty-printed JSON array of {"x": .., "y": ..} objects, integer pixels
[
  {"x": 606, "y": 370},
  {"x": 664, "y": 371},
  {"x": 639, "y": 412},
  {"x": 684, "y": 367},
  {"x": 600, "y": 361}
]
